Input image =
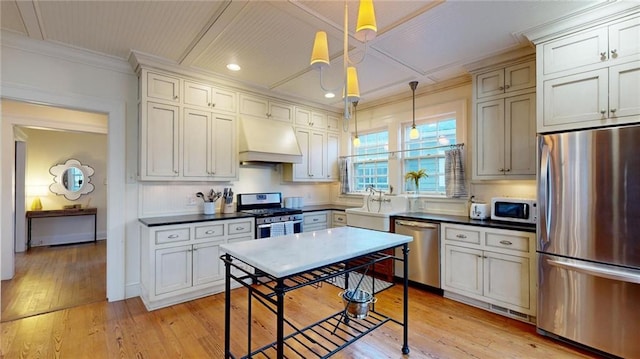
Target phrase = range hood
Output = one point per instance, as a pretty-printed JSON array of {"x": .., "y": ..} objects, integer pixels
[{"x": 263, "y": 140}]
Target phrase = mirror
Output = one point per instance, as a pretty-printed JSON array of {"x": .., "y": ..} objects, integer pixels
[{"x": 71, "y": 179}]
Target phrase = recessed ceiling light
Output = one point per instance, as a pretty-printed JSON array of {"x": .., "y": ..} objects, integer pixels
[
  {"x": 329, "y": 95},
  {"x": 233, "y": 67}
]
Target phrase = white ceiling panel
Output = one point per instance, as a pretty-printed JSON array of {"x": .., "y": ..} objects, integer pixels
[{"x": 11, "y": 18}]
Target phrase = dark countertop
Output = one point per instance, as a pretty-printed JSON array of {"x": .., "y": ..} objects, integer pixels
[
  {"x": 191, "y": 218},
  {"x": 325, "y": 207},
  {"x": 465, "y": 220}
]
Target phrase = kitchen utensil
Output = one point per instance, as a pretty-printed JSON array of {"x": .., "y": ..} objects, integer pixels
[
  {"x": 357, "y": 302},
  {"x": 201, "y": 195}
]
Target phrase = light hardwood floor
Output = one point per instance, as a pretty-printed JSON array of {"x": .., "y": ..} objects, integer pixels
[
  {"x": 439, "y": 328},
  {"x": 53, "y": 278}
]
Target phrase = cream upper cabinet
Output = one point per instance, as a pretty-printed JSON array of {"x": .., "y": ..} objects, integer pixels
[
  {"x": 320, "y": 151},
  {"x": 160, "y": 149},
  {"x": 504, "y": 128},
  {"x": 333, "y": 123},
  {"x": 162, "y": 87},
  {"x": 333, "y": 151},
  {"x": 310, "y": 118},
  {"x": 263, "y": 107},
  {"x": 212, "y": 98},
  {"x": 590, "y": 78},
  {"x": 509, "y": 79}
]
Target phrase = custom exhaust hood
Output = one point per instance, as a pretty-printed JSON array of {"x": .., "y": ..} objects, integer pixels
[{"x": 262, "y": 140}]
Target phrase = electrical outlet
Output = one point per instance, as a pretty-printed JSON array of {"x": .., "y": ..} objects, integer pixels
[{"x": 191, "y": 201}]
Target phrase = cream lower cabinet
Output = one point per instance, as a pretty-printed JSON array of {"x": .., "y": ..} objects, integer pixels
[
  {"x": 182, "y": 262},
  {"x": 491, "y": 266},
  {"x": 338, "y": 219},
  {"x": 315, "y": 221}
]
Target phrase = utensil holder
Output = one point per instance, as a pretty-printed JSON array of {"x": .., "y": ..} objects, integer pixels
[
  {"x": 209, "y": 208},
  {"x": 228, "y": 208}
]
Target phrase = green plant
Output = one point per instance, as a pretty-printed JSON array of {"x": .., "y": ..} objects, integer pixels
[{"x": 415, "y": 177}]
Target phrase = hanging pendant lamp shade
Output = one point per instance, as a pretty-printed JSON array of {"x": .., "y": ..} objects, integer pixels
[
  {"x": 320, "y": 52},
  {"x": 353, "y": 89},
  {"x": 414, "y": 133},
  {"x": 366, "y": 27}
]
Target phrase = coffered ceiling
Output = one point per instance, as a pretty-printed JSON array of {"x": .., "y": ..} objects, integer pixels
[{"x": 427, "y": 41}]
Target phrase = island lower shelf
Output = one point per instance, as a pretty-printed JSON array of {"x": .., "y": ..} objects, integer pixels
[{"x": 328, "y": 335}]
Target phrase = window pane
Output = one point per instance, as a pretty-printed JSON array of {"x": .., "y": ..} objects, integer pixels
[{"x": 371, "y": 165}]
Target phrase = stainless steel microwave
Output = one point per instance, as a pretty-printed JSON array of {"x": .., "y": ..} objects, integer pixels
[{"x": 520, "y": 210}]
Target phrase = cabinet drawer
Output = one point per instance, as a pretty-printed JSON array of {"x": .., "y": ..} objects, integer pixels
[
  {"x": 310, "y": 219},
  {"x": 239, "y": 227},
  {"x": 209, "y": 231},
  {"x": 462, "y": 235},
  {"x": 511, "y": 242},
  {"x": 172, "y": 235},
  {"x": 339, "y": 219}
]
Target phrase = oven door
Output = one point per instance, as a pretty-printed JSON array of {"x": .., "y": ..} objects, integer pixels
[{"x": 264, "y": 230}]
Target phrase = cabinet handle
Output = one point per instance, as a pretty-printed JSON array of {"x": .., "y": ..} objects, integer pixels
[
  {"x": 239, "y": 228},
  {"x": 460, "y": 236},
  {"x": 614, "y": 53},
  {"x": 613, "y": 110},
  {"x": 501, "y": 170},
  {"x": 268, "y": 114},
  {"x": 506, "y": 243},
  {"x": 173, "y": 236},
  {"x": 315, "y": 220},
  {"x": 213, "y": 105},
  {"x": 189, "y": 250},
  {"x": 603, "y": 56},
  {"x": 209, "y": 232},
  {"x": 175, "y": 171}
]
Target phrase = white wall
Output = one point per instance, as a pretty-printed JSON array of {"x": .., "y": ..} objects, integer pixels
[{"x": 46, "y": 148}]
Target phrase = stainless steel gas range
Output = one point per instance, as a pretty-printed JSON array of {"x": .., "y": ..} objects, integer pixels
[{"x": 271, "y": 218}]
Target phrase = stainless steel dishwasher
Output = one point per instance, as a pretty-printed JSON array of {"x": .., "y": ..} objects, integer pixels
[{"x": 424, "y": 251}]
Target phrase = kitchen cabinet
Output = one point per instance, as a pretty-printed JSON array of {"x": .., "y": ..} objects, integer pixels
[
  {"x": 310, "y": 118},
  {"x": 263, "y": 107},
  {"x": 505, "y": 138},
  {"x": 208, "y": 97},
  {"x": 590, "y": 78},
  {"x": 320, "y": 151},
  {"x": 493, "y": 266},
  {"x": 181, "y": 137},
  {"x": 333, "y": 123},
  {"x": 338, "y": 219},
  {"x": 216, "y": 134},
  {"x": 506, "y": 80},
  {"x": 504, "y": 124},
  {"x": 315, "y": 221},
  {"x": 181, "y": 262}
]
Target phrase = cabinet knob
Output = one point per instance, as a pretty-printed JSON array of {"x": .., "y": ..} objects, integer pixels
[
  {"x": 213, "y": 105},
  {"x": 506, "y": 87},
  {"x": 613, "y": 110},
  {"x": 189, "y": 250},
  {"x": 506, "y": 243},
  {"x": 603, "y": 111},
  {"x": 501, "y": 88},
  {"x": 508, "y": 170},
  {"x": 175, "y": 171},
  {"x": 175, "y": 97},
  {"x": 268, "y": 114},
  {"x": 501, "y": 170},
  {"x": 603, "y": 56},
  {"x": 614, "y": 53}
]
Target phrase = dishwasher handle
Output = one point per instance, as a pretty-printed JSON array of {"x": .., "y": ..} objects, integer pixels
[{"x": 416, "y": 224}]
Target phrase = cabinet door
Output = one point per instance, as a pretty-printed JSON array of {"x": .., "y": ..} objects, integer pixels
[
  {"x": 624, "y": 39},
  {"x": 280, "y": 112},
  {"x": 173, "y": 269},
  {"x": 506, "y": 279},
  {"x": 339, "y": 219},
  {"x": 575, "y": 101},
  {"x": 223, "y": 100},
  {"x": 520, "y": 76},
  {"x": 317, "y": 156},
  {"x": 463, "y": 270},
  {"x": 195, "y": 143},
  {"x": 333, "y": 123},
  {"x": 302, "y": 171},
  {"x": 303, "y": 117},
  {"x": 224, "y": 156},
  {"x": 319, "y": 120},
  {"x": 572, "y": 52},
  {"x": 333, "y": 150},
  {"x": 196, "y": 94},
  {"x": 489, "y": 139},
  {"x": 207, "y": 266},
  {"x": 163, "y": 87},
  {"x": 490, "y": 83},
  {"x": 520, "y": 135},
  {"x": 254, "y": 106},
  {"x": 159, "y": 140},
  {"x": 624, "y": 90}
]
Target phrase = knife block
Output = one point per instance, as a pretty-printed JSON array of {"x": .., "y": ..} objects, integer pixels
[{"x": 227, "y": 208}]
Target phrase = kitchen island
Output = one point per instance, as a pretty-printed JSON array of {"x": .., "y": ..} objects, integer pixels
[{"x": 271, "y": 267}]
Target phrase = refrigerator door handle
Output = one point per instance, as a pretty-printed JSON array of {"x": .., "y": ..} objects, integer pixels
[
  {"x": 598, "y": 271},
  {"x": 545, "y": 194}
]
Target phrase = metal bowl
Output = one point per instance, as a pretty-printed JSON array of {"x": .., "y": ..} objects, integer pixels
[{"x": 357, "y": 302}]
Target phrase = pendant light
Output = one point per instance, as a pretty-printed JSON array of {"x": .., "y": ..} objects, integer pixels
[
  {"x": 414, "y": 134},
  {"x": 356, "y": 139}
]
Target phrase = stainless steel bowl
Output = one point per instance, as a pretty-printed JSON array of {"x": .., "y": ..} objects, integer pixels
[{"x": 357, "y": 302}]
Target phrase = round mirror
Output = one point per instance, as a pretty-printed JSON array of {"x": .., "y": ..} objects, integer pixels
[{"x": 71, "y": 179}]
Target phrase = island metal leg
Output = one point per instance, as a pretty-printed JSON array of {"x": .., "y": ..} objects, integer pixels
[
  {"x": 280, "y": 319},
  {"x": 227, "y": 308},
  {"x": 405, "y": 346}
]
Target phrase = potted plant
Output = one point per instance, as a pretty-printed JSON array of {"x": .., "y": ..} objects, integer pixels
[{"x": 415, "y": 176}]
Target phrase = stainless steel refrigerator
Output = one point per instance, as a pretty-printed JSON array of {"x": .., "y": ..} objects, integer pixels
[{"x": 589, "y": 238}]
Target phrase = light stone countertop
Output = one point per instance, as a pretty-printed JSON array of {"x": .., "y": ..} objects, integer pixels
[{"x": 296, "y": 253}]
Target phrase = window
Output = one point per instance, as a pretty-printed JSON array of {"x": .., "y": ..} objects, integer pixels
[
  {"x": 421, "y": 153},
  {"x": 371, "y": 163}
]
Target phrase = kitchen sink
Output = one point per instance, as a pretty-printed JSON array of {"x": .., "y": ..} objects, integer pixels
[{"x": 376, "y": 212}]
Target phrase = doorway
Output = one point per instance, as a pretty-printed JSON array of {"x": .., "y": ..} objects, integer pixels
[{"x": 59, "y": 271}]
